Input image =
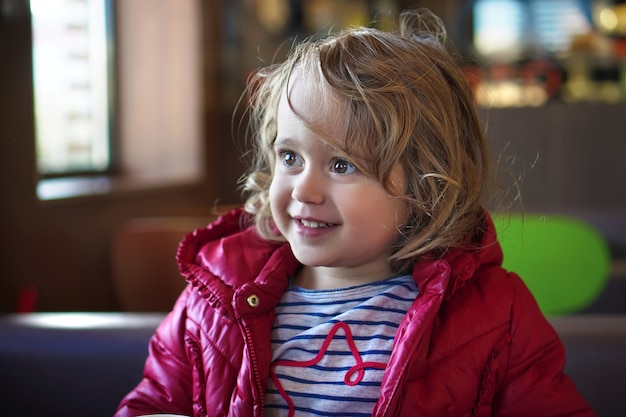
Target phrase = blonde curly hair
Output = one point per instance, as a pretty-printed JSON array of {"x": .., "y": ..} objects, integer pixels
[{"x": 405, "y": 100}]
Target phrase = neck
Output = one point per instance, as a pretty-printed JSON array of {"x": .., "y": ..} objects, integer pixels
[{"x": 327, "y": 278}]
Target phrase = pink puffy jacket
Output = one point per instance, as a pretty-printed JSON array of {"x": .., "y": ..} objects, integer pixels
[{"x": 474, "y": 342}]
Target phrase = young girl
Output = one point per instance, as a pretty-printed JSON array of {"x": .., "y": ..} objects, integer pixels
[{"x": 364, "y": 276}]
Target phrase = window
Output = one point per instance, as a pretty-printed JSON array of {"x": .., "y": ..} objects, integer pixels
[
  {"x": 159, "y": 130},
  {"x": 498, "y": 27},
  {"x": 516, "y": 29},
  {"x": 71, "y": 78}
]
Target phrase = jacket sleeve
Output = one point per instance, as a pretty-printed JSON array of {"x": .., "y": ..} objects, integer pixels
[
  {"x": 534, "y": 383},
  {"x": 166, "y": 385}
]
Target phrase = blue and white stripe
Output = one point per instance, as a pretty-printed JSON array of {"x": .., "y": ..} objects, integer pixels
[{"x": 304, "y": 319}]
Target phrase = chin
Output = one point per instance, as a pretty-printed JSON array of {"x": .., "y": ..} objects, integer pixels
[{"x": 308, "y": 260}]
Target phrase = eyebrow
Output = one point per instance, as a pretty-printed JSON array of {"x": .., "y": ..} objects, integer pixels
[{"x": 282, "y": 141}]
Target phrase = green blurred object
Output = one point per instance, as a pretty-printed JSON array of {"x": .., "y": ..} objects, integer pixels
[{"x": 564, "y": 261}]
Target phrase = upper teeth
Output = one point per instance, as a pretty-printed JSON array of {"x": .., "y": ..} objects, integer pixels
[{"x": 314, "y": 225}]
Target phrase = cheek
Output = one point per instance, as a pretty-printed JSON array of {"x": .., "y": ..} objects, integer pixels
[
  {"x": 392, "y": 212},
  {"x": 277, "y": 193},
  {"x": 382, "y": 211},
  {"x": 272, "y": 193}
]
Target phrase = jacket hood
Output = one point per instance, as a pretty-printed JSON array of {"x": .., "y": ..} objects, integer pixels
[
  {"x": 233, "y": 251},
  {"x": 461, "y": 262}
]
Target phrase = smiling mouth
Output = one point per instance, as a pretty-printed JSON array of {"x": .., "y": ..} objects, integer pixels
[{"x": 313, "y": 224}]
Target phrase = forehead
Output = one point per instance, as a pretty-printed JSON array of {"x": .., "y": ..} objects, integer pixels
[{"x": 308, "y": 101}]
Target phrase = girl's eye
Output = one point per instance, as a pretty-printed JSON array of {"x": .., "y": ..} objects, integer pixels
[
  {"x": 289, "y": 158},
  {"x": 342, "y": 166}
]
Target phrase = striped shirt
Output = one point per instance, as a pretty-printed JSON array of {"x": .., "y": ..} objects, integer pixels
[{"x": 330, "y": 347}]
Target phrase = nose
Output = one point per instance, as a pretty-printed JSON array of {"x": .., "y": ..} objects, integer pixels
[{"x": 309, "y": 187}]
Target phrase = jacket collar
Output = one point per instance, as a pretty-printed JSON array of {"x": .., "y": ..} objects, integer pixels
[
  {"x": 237, "y": 254},
  {"x": 460, "y": 263},
  {"x": 233, "y": 251}
]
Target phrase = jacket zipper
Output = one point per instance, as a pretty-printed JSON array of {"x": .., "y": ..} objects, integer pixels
[{"x": 255, "y": 369}]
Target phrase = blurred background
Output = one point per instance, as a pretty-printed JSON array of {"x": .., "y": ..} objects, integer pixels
[{"x": 113, "y": 111}]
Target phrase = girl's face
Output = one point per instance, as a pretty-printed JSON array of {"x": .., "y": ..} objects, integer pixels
[{"x": 335, "y": 217}]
